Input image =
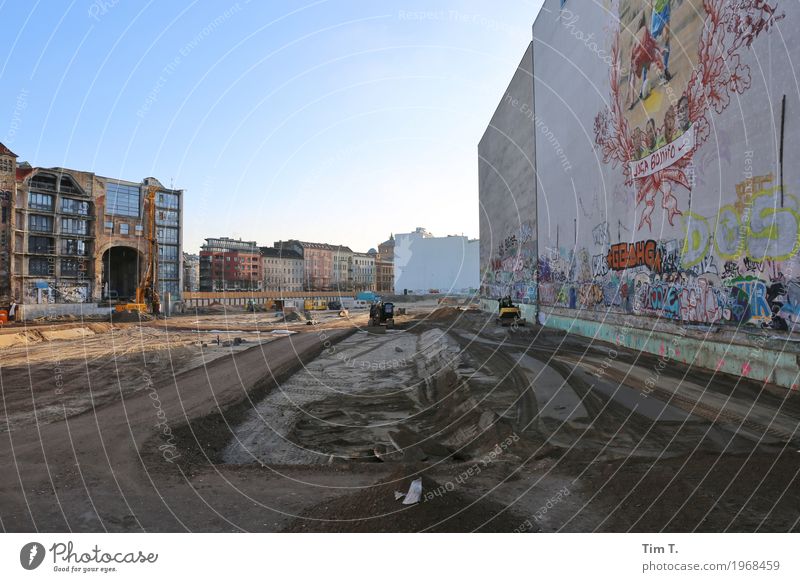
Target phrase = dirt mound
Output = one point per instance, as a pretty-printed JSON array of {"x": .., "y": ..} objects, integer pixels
[
  {"x": 442, "y": 313},
  {"x": 63, "y": 317},
  {"x": 213, "y": 308},
  {"x": 442, "y": 508},
  {"x": 130, "y": 317},
  {"x": 291, "y": 317}
]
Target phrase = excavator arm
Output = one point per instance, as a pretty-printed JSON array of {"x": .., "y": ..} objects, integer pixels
[{"x": 147, "y": 297}]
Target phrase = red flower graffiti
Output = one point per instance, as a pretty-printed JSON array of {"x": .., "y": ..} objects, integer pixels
[
  {"x": 729, "y": 28},
  {"x": 717, "y": 91},
  {"x": 740, "y": 78}
]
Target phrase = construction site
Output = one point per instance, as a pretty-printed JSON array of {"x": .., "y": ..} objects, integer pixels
[
  {"x": 616, "y": 352},
  {"x": 450, "y": 420}
]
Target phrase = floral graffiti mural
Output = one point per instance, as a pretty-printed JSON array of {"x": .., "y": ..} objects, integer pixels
[{"x": 661, "y": 116}]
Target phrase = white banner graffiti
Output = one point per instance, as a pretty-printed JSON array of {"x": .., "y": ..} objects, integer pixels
[{"x": 664, "y": 156}]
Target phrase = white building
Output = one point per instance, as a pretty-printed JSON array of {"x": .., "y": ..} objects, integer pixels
[{"x": 425, "y": 263}]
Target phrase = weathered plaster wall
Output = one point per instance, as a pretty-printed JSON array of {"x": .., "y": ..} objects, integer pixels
[
  {"x": 446, "y": 263},
  {"x": 507, "y": 187}
]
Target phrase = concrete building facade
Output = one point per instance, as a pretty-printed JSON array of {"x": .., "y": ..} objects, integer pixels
[
  {"x": 424, "y": 263},
  {"x": 317, "y": 263},
  {"x": 191, "y": 272},
  {"x": 507, "y": 186},
  {"x": 326, "y": 267},
  {"x": 169, "y": 232},
  {"x": 363, "y": 273},
  {"x": 282, "y": 268},
  {"x": 228, "y": 264},
  {"x": 73, "y": 239},
  {"x": 342, "y": 268},
  {"x": 667, "y": 211},
  {"x": 122, "y": 237},
  {"x": 8, "y": 169},
  {"x": 384, "y": 266},
  {"x": 54, "y": 242}
]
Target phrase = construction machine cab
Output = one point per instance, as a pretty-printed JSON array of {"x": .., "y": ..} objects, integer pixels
[
  {"x": 508, "y": 313},
  {"x": 381, "y": 313},
  {"x": 506, "y": 302}
]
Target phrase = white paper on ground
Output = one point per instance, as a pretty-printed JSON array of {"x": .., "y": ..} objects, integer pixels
[{"x": 414, "y": 492}]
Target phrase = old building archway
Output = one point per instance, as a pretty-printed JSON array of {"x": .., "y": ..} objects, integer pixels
[{"x": 120, "y": 273}]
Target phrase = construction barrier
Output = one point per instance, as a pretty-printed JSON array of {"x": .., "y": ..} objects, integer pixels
[{"x": 195, "y": 299}]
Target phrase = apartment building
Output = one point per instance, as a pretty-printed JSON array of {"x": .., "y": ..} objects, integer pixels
[
  {"x": 282, "y": 269},
  {"x": 228, "y": 264},
  {"x": 363, "y": 274}
]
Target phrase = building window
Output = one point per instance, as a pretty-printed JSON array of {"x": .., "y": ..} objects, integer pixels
[
  {"x": 38, "y": 223},
  {"x": 109, "y": 224},
  {"x": 6, "y": 165},
  {"x": 38, "y": 201},
  {"x": 170, "y": 287},
  {"x": 166, "y": 200},
  {"x": 74, "y": 226},
  {"x": 139, "y": 230},
  {"x": 43, "y": 182},
  {"x": 167, "y": 235},
  {"x": 167, "y": 253},
  {"x": 68, "y": 186},
  {"x": 123, "y": 228},
  {"x": 168, "y": 270},
  {"x": 122, "y": 200},
  {"x": 39, "y": 266},
  {"x": 72, "y": 206},
  {"x": 41, "y": 245},
  {"x": 72, "y": 267},
  {"x": 167, "y": 217},
  {"x": 74, "y": 246}
]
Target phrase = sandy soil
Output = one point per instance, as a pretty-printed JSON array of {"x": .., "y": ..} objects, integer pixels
[{"x": 510, "y": 430}]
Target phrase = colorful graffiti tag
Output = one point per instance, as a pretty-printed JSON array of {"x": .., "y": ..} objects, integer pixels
[
  {"x": 511, "y": 270},
  {"x": 623, "y": 256},
  {"x": 725, "y": 256}
]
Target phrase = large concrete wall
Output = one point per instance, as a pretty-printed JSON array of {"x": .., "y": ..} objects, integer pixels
[
  {"x": 507, "y": 189},
  {"x": 696, "y": 229},
  {"x": 449, "y": 264}
]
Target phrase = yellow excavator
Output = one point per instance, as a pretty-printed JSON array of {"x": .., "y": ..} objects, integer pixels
[{"x": 147, "y": 298}]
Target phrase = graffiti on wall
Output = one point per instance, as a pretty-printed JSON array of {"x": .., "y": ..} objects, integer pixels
[
  {"x": 40, "y": 292},
  {"x": 662, "y": 102},
  {"x": 736, "y": 264},
  {"x": 736, "y": 267},
  {"x": 623, "y": 256},
  {"x": 512, "y": 267}
]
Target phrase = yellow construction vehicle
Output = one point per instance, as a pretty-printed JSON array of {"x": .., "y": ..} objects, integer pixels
[
  {"x": 147, "y": 298},
  {"x": 509, "y": 314}
]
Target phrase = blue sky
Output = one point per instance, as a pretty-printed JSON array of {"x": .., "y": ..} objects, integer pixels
[{"x": 336, "y": 121}]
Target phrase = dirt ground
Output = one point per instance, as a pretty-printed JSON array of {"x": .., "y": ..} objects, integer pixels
[
  {"x": 158, "y": 427},
  {"x": 75, "y": 366}
]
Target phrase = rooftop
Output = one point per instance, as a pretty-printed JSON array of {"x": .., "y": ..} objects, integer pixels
[{"x": 280, "y": 253}]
